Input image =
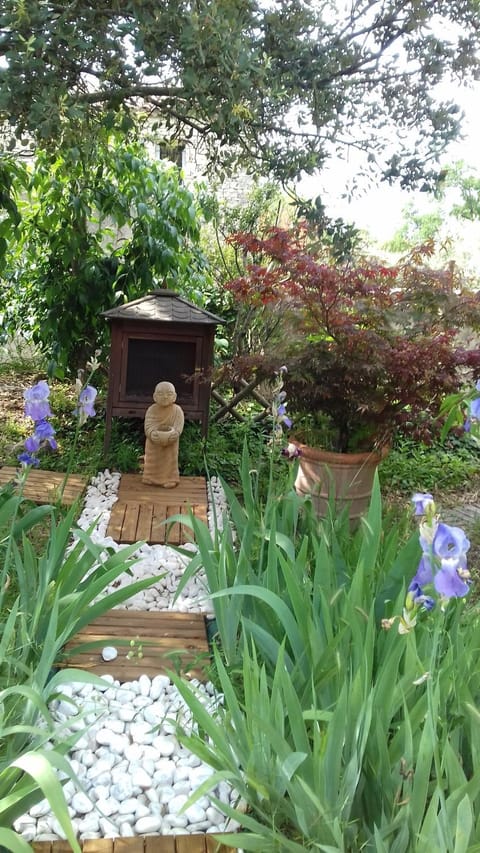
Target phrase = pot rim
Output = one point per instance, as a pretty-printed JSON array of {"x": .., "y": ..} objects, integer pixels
[{"x": 326, "y": 456}]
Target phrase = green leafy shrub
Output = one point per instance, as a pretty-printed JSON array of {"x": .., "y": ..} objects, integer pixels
[
  {"x": 59, "y": 590},
  {"x": 99, "y": 226},
  {"x": 411, "y": 466}
]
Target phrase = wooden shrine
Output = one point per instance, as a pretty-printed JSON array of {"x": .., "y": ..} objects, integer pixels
[{"x": 160, "y": 336}]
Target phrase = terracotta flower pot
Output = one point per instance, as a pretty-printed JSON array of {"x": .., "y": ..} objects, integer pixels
[{"x": 348, "y": 477}]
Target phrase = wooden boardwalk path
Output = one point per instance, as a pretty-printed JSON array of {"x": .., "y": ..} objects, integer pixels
[
  {"x": 156, "y": 641},
  {"x": 141, "y": 511},
  {"x": 44, "y": 486},
  {"x": 150, "y": 642}
]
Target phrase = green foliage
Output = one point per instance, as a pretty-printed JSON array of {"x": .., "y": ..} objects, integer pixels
[
  {"x": 100, "y": 225},
  {"x": 58, "y": 590},
  {"x": 221, "y": 453},
  {"x": 416, "y": 228},
  {"x": 278, "y": 86},
  {"x": 13, "y": 178},
  {"x": 466, "y": 181},
  {"x": 264, "y": 206},
  {"x": 411, "y": 466},
  {"x": 337, "y": 734}
]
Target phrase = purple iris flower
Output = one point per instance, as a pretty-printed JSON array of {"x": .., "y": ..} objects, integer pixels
[
  {"x": 27, "y": 459},
  {"x": 474, "y": 408},
  {"x": 419, "y": 598},
  {"x": 86, "y": 399},
  {"x": 32, "y": 444},
  {"x": 421, "y": 502},
  {"x": 450, "y": 542},
  {"x": 37, "y": 406},
  {"x": 447, "y": 580},
  {"x": 424, "y": 574},
  {"x": 44, "y": 431},
  {"x": 282, "y": 415}
]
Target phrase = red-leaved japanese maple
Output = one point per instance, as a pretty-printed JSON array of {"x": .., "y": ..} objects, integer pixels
[{"x": 367, "y": 346}]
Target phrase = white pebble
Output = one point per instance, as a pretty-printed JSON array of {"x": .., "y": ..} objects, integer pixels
[
  {"x": 144, "y": 825},
  {"x": 109, "y": 653}
]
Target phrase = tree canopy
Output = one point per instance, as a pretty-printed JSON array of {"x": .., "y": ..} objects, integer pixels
[
  {"x": 93, "y": 227},
  {"x": 280, "y": 84}
]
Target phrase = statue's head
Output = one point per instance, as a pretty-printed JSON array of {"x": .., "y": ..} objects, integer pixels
[{"x": 164, "y": 393}]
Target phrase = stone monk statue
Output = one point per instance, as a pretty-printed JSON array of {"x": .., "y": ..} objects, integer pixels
[{"x": 163, "y": 427}]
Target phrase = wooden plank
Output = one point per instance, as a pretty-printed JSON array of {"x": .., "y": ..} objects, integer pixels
[
  {"x": 159, "y": 844},
  {"x": 115, "y": 525},
  {"x": 129, "y": 845},
  {"x": 44, "y": 486},
  {"x": 133, "y": 521},
  {"x": 141, "y": 510},
  {"x": 161, "y": 637},
  {"x": 159, "y": 530},
  {"x": 168, "y": 621},
  {"x": 97, "y": 845},
  {"x": 144, "y": 526},
  {"x": 130, "y": 522},
  {"x": 214, "y": 846},
  {"x": 190, "y": 843},
  {"x": 173, "y": 529},
  {"x": 62, "y": 846},
  {"x": 162, "y": 619},
  {"x": 200, "y": 512}
]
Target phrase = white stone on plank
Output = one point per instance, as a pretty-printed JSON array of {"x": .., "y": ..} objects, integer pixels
[{"x": 109, "y": 653}]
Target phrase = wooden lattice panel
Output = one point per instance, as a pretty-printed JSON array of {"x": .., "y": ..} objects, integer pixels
[
  {"x": 140, "y": 844},
  {"x": 166, "y": 640},
  {"x": 141, "y": 511},
  {"x": 43, "y": 487}
]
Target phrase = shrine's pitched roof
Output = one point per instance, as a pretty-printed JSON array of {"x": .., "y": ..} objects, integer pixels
[{"x": 162, "y": 306}]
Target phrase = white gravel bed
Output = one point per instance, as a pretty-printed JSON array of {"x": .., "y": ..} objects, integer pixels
[{"x": 135, "y": 777}]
